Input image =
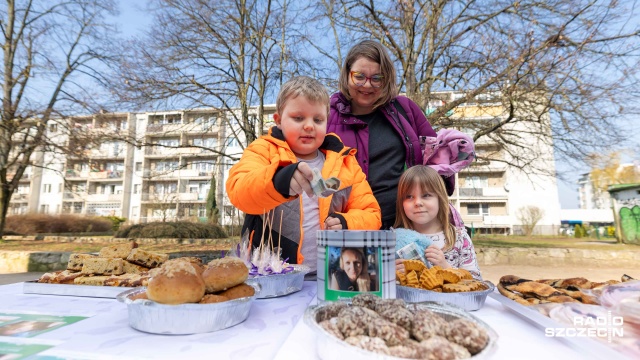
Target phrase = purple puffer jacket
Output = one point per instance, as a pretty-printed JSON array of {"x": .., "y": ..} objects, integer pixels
[{"x": 355, "y": 133}]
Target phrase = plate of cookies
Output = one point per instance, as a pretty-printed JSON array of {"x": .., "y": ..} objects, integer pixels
[
  {"x": 183, "y": 297},
  {"x": 105, "y": 274},
  {"x": 453, "y": 286},
  {"x": 370, "y": 327}
]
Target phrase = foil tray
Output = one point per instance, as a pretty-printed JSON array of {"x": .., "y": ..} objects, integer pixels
[
  {"x": 330, "y": 347},
  {"x": 280, "y": 284},
  {"x": 152, "y": 317},
  {"x": 470, "y": 301},
  {"x": 34, "y": 287},
  {"x": 584, "y": 345}
]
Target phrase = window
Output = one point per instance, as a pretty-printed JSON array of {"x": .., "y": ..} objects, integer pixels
[
  {"x": 477, "y": 182},
  {"x": 44, "y": 209},
  {"x": 53, "y": 128},
  {"x": 138, "y": 166},
  {"x": 59, "y": 188},
  {"x": 47, "y": 188},
  {"x": 135, "y": 211},
  {"x": 202, "y": 211},
  {"x": 232, "y": 142},
  {"x": 478, "y": 209},
  {"x": 136, "y": 188}
]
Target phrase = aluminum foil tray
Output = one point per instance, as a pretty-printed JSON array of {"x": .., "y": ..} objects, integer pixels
[
  {"x": 280, "y": 284},
  {"x": 584, "y": 345},
  {"x": 330, "y": 347},
  {"x": 152, "y": 317},
  {"x": 34, "y": 287},
  {"x": 470, "y": 301}
]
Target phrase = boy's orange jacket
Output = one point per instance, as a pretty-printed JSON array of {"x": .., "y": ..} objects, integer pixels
[{"x": 259, "y": 182}]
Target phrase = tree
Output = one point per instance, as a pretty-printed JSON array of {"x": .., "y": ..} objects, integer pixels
[
  {"x": 529, "y": 216},
  {"x": 212, "y": 205},
  {"x": 52, "y": 52},
  {"x": 563, "y": 71},
  {"x": 607, "y": 169}
]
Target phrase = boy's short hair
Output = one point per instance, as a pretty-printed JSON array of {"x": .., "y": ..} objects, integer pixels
[{"x": 310, "y": 88}]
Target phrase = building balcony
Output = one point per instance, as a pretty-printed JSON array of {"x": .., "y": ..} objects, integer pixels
[
  {"x": 173, "y": 197},
  {"x": 105, "y": 154},
  {"x": 165, "y": 128},
  {"x": 74, "y": 174},
  {"x": 104, "y": 197},
  {"x": 20, "y": 198},
  {"x": 79, "y": 196},
  {"x": 488, "y": 193}
]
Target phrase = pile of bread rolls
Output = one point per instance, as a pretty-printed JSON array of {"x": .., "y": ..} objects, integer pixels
[{"x": 185, "y": 280}]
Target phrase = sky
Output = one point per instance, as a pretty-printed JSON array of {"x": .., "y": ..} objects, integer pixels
[{"x": 133, "y": 20}]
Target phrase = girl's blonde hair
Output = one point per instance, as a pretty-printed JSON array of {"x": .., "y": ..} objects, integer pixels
[
  {"x": 429, "y": 181},
  {"x": 377, "y": 53}
]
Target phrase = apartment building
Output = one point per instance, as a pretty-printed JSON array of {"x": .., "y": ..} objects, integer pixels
[
  {"x": 145, "y": 167},
  {"x": 159, "y": 166},
  {"x": 490, "y": 193}
]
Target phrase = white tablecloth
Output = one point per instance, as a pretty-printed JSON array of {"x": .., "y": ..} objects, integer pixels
[{"x": 274, "y": 330}]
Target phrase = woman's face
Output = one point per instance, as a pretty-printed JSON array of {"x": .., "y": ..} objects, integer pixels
[
  {"x": 363, "y": 97},
  {"x": 352, "y": 265}
]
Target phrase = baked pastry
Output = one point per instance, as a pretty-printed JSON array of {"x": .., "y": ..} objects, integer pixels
[
  {"x": 238, "y": 291},
  {"x": 90, "y": 280},
  {"x": 102, "y": 266},
  {"x": 177, "y": 283},
  {"x": 225, "y": 273},
  {"x": 127, "y": 280},
  {"x": 147, "y": 258},
  {"x": 131, "y": 268},
  {"x": 118, "y": 251},
  {"x": 77, "y": 260},
  {"x": 59, "y": 277},
  {"x": 194, "y": 261},
  {"x": 468, "y": 334},
  {"x": 212, "y": 299}
]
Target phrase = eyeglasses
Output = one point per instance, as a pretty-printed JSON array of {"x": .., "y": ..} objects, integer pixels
[{"x": 360, "y": 79}]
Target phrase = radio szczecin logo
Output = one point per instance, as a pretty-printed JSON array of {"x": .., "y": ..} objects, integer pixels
[{"x": 590, "y": 326}]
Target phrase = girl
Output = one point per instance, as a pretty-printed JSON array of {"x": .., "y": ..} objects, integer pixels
[{"x": 423, "y": 206}]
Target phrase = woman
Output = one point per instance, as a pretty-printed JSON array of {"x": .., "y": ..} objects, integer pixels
[
  {"x": 368, "y": 115},
  {"x": 353, "y": 273}
]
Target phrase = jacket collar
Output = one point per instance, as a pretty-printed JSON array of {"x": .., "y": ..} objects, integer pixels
[{"x": 331, "y": 141}]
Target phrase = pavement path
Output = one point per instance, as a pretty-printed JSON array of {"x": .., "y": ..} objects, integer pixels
[{"x": 489, "y": 272}]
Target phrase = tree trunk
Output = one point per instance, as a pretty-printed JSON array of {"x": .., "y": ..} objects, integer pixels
[{"x": 5, "y": 197}]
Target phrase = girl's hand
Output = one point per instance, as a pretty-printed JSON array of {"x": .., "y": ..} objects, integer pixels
[
  {"x": 436, "y": 257},
  {"x": 400, "y": 265},
  {"x": 331, "y": 223}
]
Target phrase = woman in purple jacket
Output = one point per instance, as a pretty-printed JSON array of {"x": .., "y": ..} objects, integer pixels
[{"x": 368, "y": 115}]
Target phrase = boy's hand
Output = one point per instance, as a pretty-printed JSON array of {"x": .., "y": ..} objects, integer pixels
[
  {"x": 331, "y": 223},
  {"x": 436, "y": 257},
  {"x": 400, "y": 265},
  {"x": 301, "y": 180}
]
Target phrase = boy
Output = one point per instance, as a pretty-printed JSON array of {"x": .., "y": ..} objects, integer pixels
[{"x": 275, "y": 171}]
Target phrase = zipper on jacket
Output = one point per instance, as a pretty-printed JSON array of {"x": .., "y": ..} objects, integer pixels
[{"x": 406, "y": 138}]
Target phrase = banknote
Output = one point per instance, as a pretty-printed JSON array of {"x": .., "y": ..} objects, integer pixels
[
  {"x": 324, "y": 187},
  {"x": 412, "y": 251}
]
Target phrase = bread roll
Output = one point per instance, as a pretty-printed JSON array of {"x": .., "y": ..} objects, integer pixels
[
  {"x": 238, "y": 291},
  {"x": 195, "y": 262},
  {"x": 176, "y": 283},
  {"x": 225, "y": 273}
]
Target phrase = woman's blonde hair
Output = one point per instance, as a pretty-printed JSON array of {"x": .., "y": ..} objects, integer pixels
[
  {"x": 305, "y": 86},
  {"x": 377, "y": 53},
  {"x": 363, "y": 280},
  {"x": 429, "y": 181}
]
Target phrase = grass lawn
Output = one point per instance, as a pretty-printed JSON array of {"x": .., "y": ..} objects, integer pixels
[
  {"x": 95, "y": 247},
  {"x": 550, "y": 242}
]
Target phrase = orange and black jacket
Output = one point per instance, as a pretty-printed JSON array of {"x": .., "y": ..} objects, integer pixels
[{"x": 260, "y": 181}]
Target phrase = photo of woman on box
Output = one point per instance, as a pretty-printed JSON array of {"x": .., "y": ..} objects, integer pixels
[{"x": 353, "y": 274}]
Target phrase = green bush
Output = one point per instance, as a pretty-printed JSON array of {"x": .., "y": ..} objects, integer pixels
[
  {"x": 176, "y": 230},
  {"x": 578, "y": 231},
  {"x": 56, "y": 224},
  {"x": 116, "y": 221}
]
